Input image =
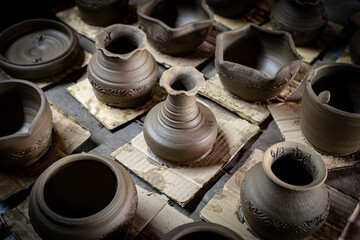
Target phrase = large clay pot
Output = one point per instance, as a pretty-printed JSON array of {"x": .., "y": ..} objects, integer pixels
[
  {"x": 25, "y": 124},
  {"x": 284, "y": 196},
  {"x": 231, "y": 8},
  {"x": 201, "y": 230},
  {"x": 179, "y": 129},
  {"x": 304, "y": 19},
  {"x": 175, "y": 27},
  {"x": 330, "y": 111},
  {"x": 355, "y": 48},
  {"x": 38, "y": 49},
  {"x": 102, "y": 12},
  {"x": 122, "y": 72},
  {"x": 83, "y": 196},
  {"x": 256, "y": 63}
]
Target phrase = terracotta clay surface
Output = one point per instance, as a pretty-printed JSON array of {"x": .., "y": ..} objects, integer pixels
[
  {"x": 355, "y": 48},
  {"x": 255, "y": 63},
  {"x": 122, "y": 72},
  {"x": 179, "y": 129},
  {"x": 83, "y": 196},
  {"x": 284, "y": 196},
  {"x": 37, "y": 49},
  {"x": 175, "y": 27},
  {"x": 330, "y": 111},
  {"x": 25, "y": 123},
  {"x": 231, "y": 8}
]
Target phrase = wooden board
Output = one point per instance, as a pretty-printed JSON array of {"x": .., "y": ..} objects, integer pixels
[{"x": 345, "y": 56}]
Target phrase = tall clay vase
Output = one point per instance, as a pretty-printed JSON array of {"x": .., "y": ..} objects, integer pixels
[
  {"x": 180, "y": 130},
  {"x": 83, "y": 196},
  {"x": 25, "y": 124},
  {"x": 304, "y": 19},
  {"x": 330, "y": 110},
  {"x": 122, "y": 72},
  {"x": 231, "y": 8},
  {"x": 284, "y": 196}
]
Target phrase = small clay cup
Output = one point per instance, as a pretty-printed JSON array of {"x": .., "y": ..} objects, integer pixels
[
  {"x": 175, "y": 27},
  {"x": 83, "y": 196},
  {"x": 330, "y": 111},
  {"x": 355, "y": 48},
  {"x": 255, "y": 63},
  {"x": 231, "y": 8},
  {"x": 25, "y": 124},
  {"x": 284, "y": 196}
]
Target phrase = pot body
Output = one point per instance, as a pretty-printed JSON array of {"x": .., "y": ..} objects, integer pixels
[
  {"x": 355, "y": 48},
  {"x": 26, "y": 124},
  {"x": 231, "y": 8},
  {"x": 83, "y": 196}
]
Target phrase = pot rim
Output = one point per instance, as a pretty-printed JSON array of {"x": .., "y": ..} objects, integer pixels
[{"x": 317, "y": 181}]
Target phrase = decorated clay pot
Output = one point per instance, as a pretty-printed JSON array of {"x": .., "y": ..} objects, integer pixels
[
  {"x": 175, "y": 27},
  {"x": 231, "y": 8},
  {"x": 122, "y": 72},
  {"x": 284, "y": 196},
  {"x": 180, "y": 130},
  {"x": 83, "y": 196},
  {"x": 304, "y": 19},
  {"x": 102, "y": 12},
  {"x": 25, "y": 124},
  {"x": 355, "y": 48},
  {"x": 256, "y": 63},
  {"x": 38, "y": 49},
  {"x": 201, "y": 230},
  {"x": 330, "y": 111}
]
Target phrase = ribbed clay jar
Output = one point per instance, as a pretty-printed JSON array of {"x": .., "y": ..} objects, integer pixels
[
  {"x": 231, "y": 8},
  {"x": 330, "y": 110},
  {"x": 284, "y": 196},
  {"x": 83, "y": 196},
  {"x": 25, "y": 124},
  {"x": 122, "y": 72},
  {"x": 180, "y": 130}
]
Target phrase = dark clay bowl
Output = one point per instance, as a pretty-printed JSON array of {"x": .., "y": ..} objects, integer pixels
[
  {"x": 355, "y": 48},
  {"x": 37, "y": 49},
  {"x": 231, "y": 8}
]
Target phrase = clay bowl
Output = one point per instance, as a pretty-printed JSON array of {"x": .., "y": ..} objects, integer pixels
[
  {"x": 83, "y": 196},
  {"x": 38, "y": 48},
  {"x": 25, "y": 124},
  {"x": 330, "y": 111},
  {"x": 355, "y": 48},
  {"x": 256, "y": 63},
  {"x": 201, "y": 230},
  {"x": 175, "y": 27},
  {"x": 231, "y": 8}
]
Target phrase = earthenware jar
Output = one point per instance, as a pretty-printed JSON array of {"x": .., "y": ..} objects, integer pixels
[
  {"x": 83, "y": 196},
  {"x": 122, "y": 72},
  {"x": 304, "y": 19},
  {"x": 175, "y": 27},
  {"x": 330, "y": 111},
  {"x": 102, "y": 12},
  {"x": 25, "y": 124},
  {"x": 180, "y": 130},
  {"x": 38, "y": 49},
  {"x": 268, "y": 61},
  {"x": 355, "y": 48},
  {"x": 201, "y": 230},
  {"x": 284, "y": 196},
  {"x": 231, "y": 8}
]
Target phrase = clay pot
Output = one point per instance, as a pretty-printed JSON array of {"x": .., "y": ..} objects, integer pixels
[
  {"x": 304, "y": 19},
  {"x": 122, "y": 72},
  {"x": 175, "y": 27},
  {"x": 38, "y": 49},
  {"x": 330, "y": 111},
  {"x": 180, "y": 130},
  {"x": 268, "y": 61},
  {"x": 355, "y": 48},
  {"x": 284, "y": 196},
  {"x": 102, "y": 12},
  {"x": 25, "y": 124},
  {"x": 201, "y": 230},
  {"x": 83, "y": 196},
  {"x": 231, "y": 8}
]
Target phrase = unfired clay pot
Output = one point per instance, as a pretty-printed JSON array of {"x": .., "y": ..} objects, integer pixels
[
  {"x": 175, "y": 27},
  {"x": 122, "y": 72},
  {"x": 330, "y": 111},
  {"x": 201, "y": 230},
  {"x": 355, "y": 48},
  {"x": 284, "y": 196},
  {"x": 38, "y": 49},
  {"x": 179, "y": 129},
  {"x": 25, "y": 123},
  {"x": 304, "y": 19},
  {"x": 102, "y": 12},
  {"x": 231, "y": 8},
  {"x": 83, "y": 196},
  {"x": 256, "y": 63}
]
